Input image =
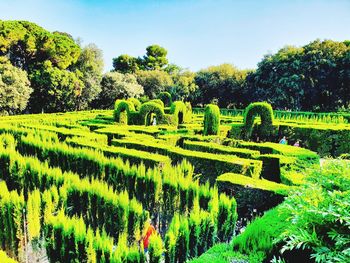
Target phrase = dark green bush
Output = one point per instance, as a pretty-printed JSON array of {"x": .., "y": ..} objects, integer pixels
[
  {"x": 158, "y": 101},
  {"x": 166, "y": 98},
  {"x": 211, "y": 120},
  {"x": 264, "y": 110}
]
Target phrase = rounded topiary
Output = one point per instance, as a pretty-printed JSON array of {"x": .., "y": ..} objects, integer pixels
[
  {"x": 158, "y": 101},
  {"x": 120, "y": 107},
  {"x": 136, "y": 102},
  {"x": 211, "y": 120},
  {"x": 178, "y": 110},
  {"x": 264, "y": 110},
  {"x": 151, "y": 107},
  {"x": 166, "y": 98}
]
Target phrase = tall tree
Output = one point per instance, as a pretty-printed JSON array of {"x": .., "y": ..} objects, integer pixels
[
  {"x": 125, "y": 64},
  {"x": 155, "y": 58},
  {"x": 14, "y": 88},
  {"x": 90, "y": 64},
  {"x": 225, "y": 83},
  {"x": 116, "y": 85},
  {"x": 154, "y": 82},
  {"x": 34, "y": 49}
]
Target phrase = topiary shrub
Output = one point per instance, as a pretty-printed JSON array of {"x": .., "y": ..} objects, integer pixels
[
  {"x": 148, "y": 108},
  {"x": 136, "y": 102},
  {"x": 188, "y": 115},
  {"x": 158, "y": 102},
  {"x": 165, "y": 97},
  {"x": 211, "y": 120},
  {"x": 122, "y": 109},
  {"x": 264, "y": 110},
  {"x": 178, "y": 110}
]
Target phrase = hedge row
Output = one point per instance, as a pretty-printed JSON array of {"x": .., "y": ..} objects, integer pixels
[
  {"x": 11, "y": 221},
  {"x": 273, "y": 165},
  {"x": 94, "y": 200},
  {"x": 68, "y": 240},
  {"x": 208, "y": 164},
  {"x": 131, "y": 155},
  {"x": 100, "y": 206},
  {"x": 189, "y": 237},
  {"x": 173, "y": 193}
]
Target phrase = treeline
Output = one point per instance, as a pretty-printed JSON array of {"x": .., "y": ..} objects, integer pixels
[{"x": 42, "y": 71}]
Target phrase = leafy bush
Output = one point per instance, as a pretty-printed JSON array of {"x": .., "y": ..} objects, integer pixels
[
  {"x": 5, "y": 258},
  {"x": 122, "y": 109},
  {"x": 211, "y": 120},
  {"x": 136, "y": 102},
  {"x": 320, "y": 215},
  {"x": 264, "y": 110},
  {"x": 155, "y": 249}
]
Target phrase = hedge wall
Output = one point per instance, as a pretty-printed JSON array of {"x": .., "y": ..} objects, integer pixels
[
  {"x": 208, "y": 164},
  {"x": 69, "y": 240}
]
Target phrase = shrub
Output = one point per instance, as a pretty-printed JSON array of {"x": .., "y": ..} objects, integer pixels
[
  {"x": 148, "y": 108},
  {"x": 11, "y": 220},
  {"x": 122, "y": 107},
  {"x": 136, "y": 102},
  {"x": 211, "y": 120},
  {"x": 188, "y": 115},
  {"x": 158, "y": 101},
  {"x": 165, "y": 97},
  {"x": 264, "y": 110},
  {"x": 155, "y": 249},
  {"x": 179, "y": 111}
]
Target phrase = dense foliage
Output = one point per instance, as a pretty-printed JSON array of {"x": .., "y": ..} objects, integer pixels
[
  {"x": 14, "y": 88},
  {"x": 211, "y": 120}
]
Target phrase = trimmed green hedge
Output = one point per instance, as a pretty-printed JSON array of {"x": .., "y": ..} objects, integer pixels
[
  {"x": 211, "y": 120},
  {"x": 264, "y": 110},
  {"x": 136, "y": 102},
  {"x": 178, "y": 110},
  {"x": 122, "y": 110},
  {"x": 165, "y": 97},
  {"x": 151, "y": 107},
  {"x": 69, "y": 240},
  {"x": 11, "y": 220},
  {"x": 259, "y": 236},
  {"x": 207, "y": 164}
]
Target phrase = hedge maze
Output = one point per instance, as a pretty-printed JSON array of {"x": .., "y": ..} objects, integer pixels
[{"x": 85, "y": 184}]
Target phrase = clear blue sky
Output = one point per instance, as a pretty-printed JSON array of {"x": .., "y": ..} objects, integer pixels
[{"x": 197, "y": 34}]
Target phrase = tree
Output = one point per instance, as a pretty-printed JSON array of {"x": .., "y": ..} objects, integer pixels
[
  {"x": 14, "y": 88},
  {"x": 36, "y": 50},
  {"x": 90, "y": 64},
  {"x": 154, "y": 82},
  {"x": 155, "y": 58},
  {"x": 184, "y": 85},
  {"x": 125, "y": 64},
  {"x": 308, "y": 78},
  {"x": 116, "y": 85},
  {"x": 225, "y": 83},
  {"x": 55, "y": 89}
]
